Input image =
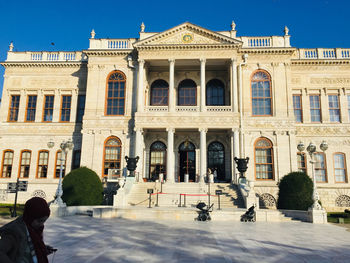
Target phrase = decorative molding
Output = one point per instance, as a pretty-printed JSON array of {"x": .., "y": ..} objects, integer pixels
[
  {"x": 319, "y": 62},
  {"x": 108, "y": 53},
  {"x": 39, "y": 64}
]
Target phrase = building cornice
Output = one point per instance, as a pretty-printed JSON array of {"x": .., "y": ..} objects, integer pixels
[
  {"x": 188, "y": 47},
  {"x": 283, "y": 51},
  {"x": 319, "y": 62},
  {"x": 96, "y": 52},
  {"x": 47, "y": 64}
]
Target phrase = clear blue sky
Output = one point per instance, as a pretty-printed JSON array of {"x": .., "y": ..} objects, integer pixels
[{"x": 33, "y": 24}]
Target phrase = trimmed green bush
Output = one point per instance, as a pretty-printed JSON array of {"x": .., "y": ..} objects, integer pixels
[
  {"x": 295, "y": 192},
  {"x": 82, "y": 186}
]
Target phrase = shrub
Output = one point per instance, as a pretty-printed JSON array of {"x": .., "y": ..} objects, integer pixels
[
  {"x": 295, "y": 192},
  {"x": 82, "y": 186}
]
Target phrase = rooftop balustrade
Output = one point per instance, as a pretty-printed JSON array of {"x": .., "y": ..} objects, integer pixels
[
  {"x": 111, "y": 43},
  {"x": 45, "y": 56},
  {"x": 324, "y": 53}
]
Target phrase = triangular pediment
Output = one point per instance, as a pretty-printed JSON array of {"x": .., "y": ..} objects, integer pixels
[{"x": 187, "y": 34}]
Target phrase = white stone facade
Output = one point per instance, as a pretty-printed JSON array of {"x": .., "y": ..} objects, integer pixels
[{"x": 185, "y": 52}]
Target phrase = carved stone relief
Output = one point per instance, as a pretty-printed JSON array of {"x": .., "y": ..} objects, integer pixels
[{"x": 343, "y": 201}]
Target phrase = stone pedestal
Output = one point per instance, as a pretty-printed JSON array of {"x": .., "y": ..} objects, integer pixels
[
  {"x": 58, "y": 210},
  {"x": 317, "y": 216}
]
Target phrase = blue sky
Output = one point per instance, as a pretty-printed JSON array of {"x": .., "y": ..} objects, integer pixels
[{"x": 34, "y": 25}]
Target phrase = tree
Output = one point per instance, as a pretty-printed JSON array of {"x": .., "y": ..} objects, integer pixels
[
  {"x": 82, "y": 186},
  {"x": 295, "y": 192}
]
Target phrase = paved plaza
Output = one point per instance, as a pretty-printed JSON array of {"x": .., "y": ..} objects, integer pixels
[{"x": 82, "y": 239}]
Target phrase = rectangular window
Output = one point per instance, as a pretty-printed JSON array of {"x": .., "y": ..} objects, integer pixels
[
  {"x": 315, "y": 108},
  {"x": 116, "y": 98},
  {"x": 320, "y": 168},
  {"x": 48, "y": 108},
  {"x": 59, "y": 159},
  {"x": 43, "y": 161},
  {"x": 302, "y": 162},
  {"x": 334, "y": 111},
  {"x": 13, "y": 109},
  {"x": 25, "y": 164},
  {"x": 31, "y": 108},
  {"x": 81, "y": 108},
  {"x": 339, "y": 168},
  {"x": 7, "y": 164},
  {"x": 298, "y": 112},
  {"x": 65, "y": 108},
  {"x": 76, "y": 159}
]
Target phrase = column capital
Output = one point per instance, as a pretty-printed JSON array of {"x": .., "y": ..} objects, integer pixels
[
  {"x": 170, "y": 130},
  {"x": 141, "y": 61},
  {"x": 171, "y": 60},
  {"x": 233, "y": 60},
  {"x": 202, "y": 60},
  {"x": 203, "y": 130}
]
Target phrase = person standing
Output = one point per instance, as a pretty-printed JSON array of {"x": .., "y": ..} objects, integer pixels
[{"x": 21, "y": 241}]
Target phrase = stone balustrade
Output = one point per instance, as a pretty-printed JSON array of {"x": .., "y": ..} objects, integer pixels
[
  {"x": 111, "y": 43},
  {"x": 189, "y": 108},
  {"x": 265, "y": 42},
  {"x": 45, "y": 56},
  {"x": 324, "y": 53}
]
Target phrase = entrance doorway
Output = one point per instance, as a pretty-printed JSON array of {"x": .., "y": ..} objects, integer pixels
[{"x": 187, "y": 161}]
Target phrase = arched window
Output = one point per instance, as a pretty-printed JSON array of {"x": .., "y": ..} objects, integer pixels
[
  {"x": 261, "y": 94},
  {"x": 215, "y": 93},
  {"x": 263, "y": 154},
  {"x": 216, "y": 159},
  {"x": 7, "y": 161},
  {"x": 157, "y": 160},
  {"x": 187, "y": 93},
  {"x": 112, "y": 155},
  {"x": 43, "y": 162},
  {"x": 59, "y": 159},
  {"x": 115, "y": 98},
  {"x": 24, "y": 164},
  {"x": 159, "y": 93}
]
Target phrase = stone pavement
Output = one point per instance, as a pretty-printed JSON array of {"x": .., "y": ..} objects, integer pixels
[{"x": 83, "y": 239}]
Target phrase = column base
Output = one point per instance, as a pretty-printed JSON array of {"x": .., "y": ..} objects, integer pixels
[
  {"x": 317, "y": 216},
  {"x": 58, "y": 210}
]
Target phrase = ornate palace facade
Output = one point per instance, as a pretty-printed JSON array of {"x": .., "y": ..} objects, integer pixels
[{"x": 183, "y": 100}]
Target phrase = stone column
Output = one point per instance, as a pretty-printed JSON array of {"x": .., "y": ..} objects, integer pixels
[
  {"x": 140, "y": 86},
  {"x": 202, "y": 96},
  {"x": 171, "y": 85},
  {"x": 139, "y": 152},
  {"x": 170, "y": 156},
  {"x": 203, "y": 154},
  {"x": 234, "y": 91},
  {"x": 235, "y": 153}
]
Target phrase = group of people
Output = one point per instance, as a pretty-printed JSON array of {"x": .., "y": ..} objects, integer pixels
[{"x": 21, "y": 241}]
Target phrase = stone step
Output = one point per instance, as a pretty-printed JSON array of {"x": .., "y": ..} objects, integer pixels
[{"x": 195, "y": 192}]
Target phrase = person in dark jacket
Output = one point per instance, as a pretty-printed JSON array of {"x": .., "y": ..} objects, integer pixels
[{"x": 21, "y": 241}]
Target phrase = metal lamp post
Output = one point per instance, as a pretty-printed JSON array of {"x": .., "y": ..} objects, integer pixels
[
  {"x": 65, "y": 147},
  {"x": 311, "y": 149}
]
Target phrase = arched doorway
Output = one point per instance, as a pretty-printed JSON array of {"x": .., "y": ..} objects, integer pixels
[
  {"x": 216, "y": 160},
  {"x": 157, "y": 160},
  {"x": 187, "y": 161}
]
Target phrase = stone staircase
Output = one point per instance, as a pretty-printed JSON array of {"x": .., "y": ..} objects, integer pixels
[{"x": 191, "y": 194}]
